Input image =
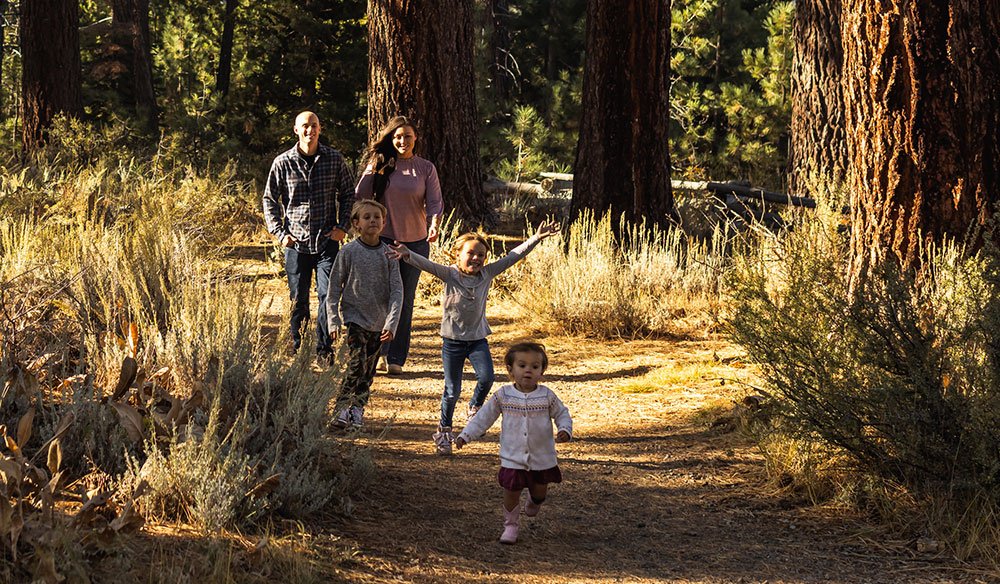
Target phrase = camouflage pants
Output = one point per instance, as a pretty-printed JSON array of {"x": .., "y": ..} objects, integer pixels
[{"x": 363, "y": 348}]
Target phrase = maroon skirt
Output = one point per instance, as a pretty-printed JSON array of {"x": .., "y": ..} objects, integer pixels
[{"x": 515, "y": 479}]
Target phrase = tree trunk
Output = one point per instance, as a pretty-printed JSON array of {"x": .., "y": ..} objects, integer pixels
[
  {"x": 226, "y": 50},
  {"x": 4, "y": 4},
  {"x": 420, "y": 66},
  {"x": 130, "y": 31},
  {"x": 921, "y": 83},
  {"x": 50, "y": 53},
  {"x": 818, "y": 154},
  {"x": 622, "y": 161}
]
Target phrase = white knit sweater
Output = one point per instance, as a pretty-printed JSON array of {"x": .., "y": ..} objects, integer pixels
[{"x": 526, "y": 437}]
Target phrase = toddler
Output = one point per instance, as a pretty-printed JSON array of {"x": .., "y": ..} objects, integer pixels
[
  {"x": 366, "y": 294},
  {"x": 463, "y": 326},
  {"x": 527, "y": 448}
]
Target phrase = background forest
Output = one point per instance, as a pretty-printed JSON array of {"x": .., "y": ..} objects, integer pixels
[{"x": 730, "y": 107}]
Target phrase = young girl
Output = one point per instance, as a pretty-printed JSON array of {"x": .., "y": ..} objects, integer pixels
[
  {"x": 527, "y": 449},
  {"x": 463, "y": 327},
  {"x": 366, "y": 294}
]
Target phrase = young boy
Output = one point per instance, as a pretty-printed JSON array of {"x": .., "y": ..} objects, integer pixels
[{"x": 366, "y": 294}]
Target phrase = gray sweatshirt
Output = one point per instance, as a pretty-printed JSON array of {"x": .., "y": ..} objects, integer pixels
[
  {"x": 464, "y": 295},
  {"x": 365, "y": 288}
]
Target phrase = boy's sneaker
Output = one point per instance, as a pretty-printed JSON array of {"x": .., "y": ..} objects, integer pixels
[
  {"x": 443, "y": 440},
  {"x": 357, "y": 416},
  {"x": 343, "y": 418}
]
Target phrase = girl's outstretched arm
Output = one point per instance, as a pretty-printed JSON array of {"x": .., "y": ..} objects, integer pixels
[
  {"x": 398, "y": 251},
  {"x": 546, "y": 229}
]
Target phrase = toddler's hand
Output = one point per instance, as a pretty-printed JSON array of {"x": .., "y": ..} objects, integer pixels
[
  {"x": 548, "y": 228},
  {"x": 459, "y": 443},
  {"x": 397, "y": 251},
  {"x": 562, "y": 436}
]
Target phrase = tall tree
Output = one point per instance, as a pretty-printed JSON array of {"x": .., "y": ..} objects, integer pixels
[
  {"x": 130, "y": 32},
  {"x": 420, "y": 66},
  {"x": 921, "y": 84},
  {"x": 501, "y": 64},
  {"x": 224, "y": 72},
  {"x": 50, "y": 54},
  {"x": 818, "y": 149},
  {"x": 622, "y": 159}
]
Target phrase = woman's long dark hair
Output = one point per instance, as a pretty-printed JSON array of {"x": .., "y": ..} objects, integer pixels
[{"x": 381, "y": 154}]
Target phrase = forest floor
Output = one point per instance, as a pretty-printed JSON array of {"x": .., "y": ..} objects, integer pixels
[{"x": 652, "y": 492}]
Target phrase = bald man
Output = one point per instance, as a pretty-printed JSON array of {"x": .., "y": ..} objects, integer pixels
[{"x": 307, "y": 207}]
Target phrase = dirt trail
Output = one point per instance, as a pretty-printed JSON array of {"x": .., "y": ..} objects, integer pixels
[{"x": 650, "y": 493}]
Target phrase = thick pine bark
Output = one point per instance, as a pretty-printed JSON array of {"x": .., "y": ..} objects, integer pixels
[
  {"x": 622, "y": 160},
  {"x": 818, "y": 154},
  {"x": 50, "y": 53},
  {"x": 921, "y": 84},
  {"x": 224, "y": 72},
  {"x": 421, "y": 67},
  {"x": 130, "y": 31}
]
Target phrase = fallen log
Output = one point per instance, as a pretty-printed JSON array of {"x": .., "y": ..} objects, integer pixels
[{"x": 493, "y": 185}]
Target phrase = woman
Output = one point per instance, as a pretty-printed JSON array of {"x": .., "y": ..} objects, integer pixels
[{"x": 408, "y": 186}]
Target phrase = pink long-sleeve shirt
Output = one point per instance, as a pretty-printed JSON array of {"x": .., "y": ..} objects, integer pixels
[{"x": 412, "y": 197}]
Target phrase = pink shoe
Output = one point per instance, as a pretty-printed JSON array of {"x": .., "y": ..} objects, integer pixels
[
  {"x": 511, "y": 523},
  {"x": 531, "y": 508}
]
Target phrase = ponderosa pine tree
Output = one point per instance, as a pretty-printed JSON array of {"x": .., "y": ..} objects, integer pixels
[
  {"x": 622, "y": 158},
  {"x": 421, "y": 67},
  {"x": 224, "y": 72},
  {"x": 921, "y": 86},
  {"x": 50, "y": 56},
  {"x": 818, "y": 153}
]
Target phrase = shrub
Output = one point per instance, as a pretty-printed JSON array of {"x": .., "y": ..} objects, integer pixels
[{"x": 899, "y": 375}]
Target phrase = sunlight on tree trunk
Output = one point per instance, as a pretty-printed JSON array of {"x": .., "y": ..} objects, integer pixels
[{"x": 920, "y": 81}]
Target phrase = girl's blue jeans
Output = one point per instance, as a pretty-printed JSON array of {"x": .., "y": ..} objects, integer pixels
[{"x": 453, "y": 354}]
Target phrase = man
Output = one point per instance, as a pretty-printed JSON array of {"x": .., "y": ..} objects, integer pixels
[{"x": 307, "y": 206}]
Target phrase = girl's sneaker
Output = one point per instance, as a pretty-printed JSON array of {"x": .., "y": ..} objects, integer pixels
[
  {"x": 473, "y": 410},
  {"x": 443, "y": 440}
]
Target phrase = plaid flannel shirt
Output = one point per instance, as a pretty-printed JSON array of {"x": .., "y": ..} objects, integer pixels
[{"x": 308, "y": 203}]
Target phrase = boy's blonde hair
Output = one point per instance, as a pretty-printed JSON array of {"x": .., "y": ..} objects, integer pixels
[
  {"x": 356, "y": 209},
  {"x": 461, "y": 240}
]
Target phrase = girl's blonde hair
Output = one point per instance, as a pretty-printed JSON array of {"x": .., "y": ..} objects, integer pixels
[
  {"x": 461, "y": 240},
  {"x": 358, "y": 206}
]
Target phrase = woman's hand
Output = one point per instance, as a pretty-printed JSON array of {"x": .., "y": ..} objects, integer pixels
[
  {"x": 548, "y": 228},
  {"x": 434, "y": 231},
  {"x": 386, "y": 336},
  {"x": 562, "y": 436},
  {"x": 397, "y": 251}
]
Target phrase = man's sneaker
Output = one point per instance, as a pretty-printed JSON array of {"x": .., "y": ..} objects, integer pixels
[
  {"x": 443, "y": 440},
  {"x": 357, "y": 416},
  {"x": 343, "y": 418},
  {"x": 382, "y": 365},
  {"x": 394, "y": 369}
]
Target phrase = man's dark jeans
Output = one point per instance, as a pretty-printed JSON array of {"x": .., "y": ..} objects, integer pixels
[{"x": 300, "y": 268}]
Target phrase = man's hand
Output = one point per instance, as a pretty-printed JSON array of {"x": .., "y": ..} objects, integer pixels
[
  {"x": 432, "y": 233},
  {"x": 562, "y": 436},
  {"x": 459, "y": 443},
  {"x": 547, "y": 229},
  {"x": 386, "y": 336},
  {"x": 337, "y": 234},
  {"x": 287, "y": 241}
]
